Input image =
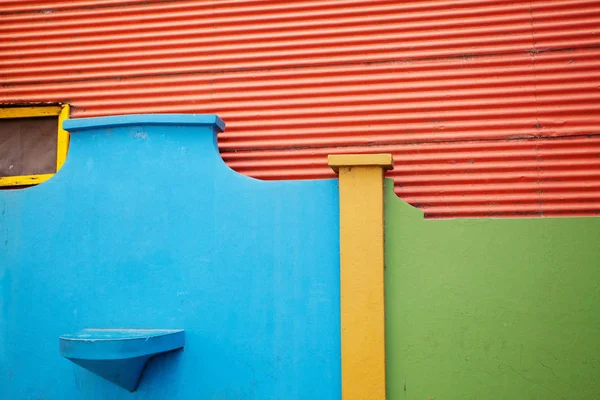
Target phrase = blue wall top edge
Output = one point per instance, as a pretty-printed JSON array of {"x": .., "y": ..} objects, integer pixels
[{"x": 81, "y": 124}]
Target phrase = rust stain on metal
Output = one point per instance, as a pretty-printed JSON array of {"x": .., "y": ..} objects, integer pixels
[{"x": 511, "y": 87}]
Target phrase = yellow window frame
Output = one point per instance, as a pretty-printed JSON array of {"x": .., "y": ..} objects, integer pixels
[{"x": 62, "y": 144}]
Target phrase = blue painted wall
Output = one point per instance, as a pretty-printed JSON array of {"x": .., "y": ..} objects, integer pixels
[{"x": 146, "y": 227}]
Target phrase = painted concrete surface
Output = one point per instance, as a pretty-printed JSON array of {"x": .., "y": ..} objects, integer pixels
[
  {"x": 491, "y": 309},
  {"x": 146, "y": 227}
]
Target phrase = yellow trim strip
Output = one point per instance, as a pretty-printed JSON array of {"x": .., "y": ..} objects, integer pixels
[
  {"x": 62, "y": 145},
  {"x": 24, "y": 179},
  {"x": 29, "y": 112},
  {"x": 361, "y": 274}
]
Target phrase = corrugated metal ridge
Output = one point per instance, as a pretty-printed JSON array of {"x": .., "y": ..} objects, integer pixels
[{"x": 40, "y": 6}]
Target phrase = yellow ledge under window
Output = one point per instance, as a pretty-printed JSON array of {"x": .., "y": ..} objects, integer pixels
[{"x": 62, "y": 144}]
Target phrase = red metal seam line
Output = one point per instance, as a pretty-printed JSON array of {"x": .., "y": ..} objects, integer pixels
[
  {"x": 224, "y": 37},
  {"x": 448, "y": 177},
  {"x": 436, "y": 77},
  {"x": 481, "y": 179},
  {"x": 588, "y": 159},
  {"x": 299, "y": 94},
  {"x": 274, "y": 56},
  {"x": 495, "y": 8},
  {"x": 425, "y": 177},
  {"x": 278, "y": 30},
  {"x": 416, "y": 163},
  {"x": 375, "y": 104},
  {"x": 173, "y": 43},
  {"x": 306, "y": 8},
  {"x": 36, "y": 6},
  {"x": 183, "y": 10},
  {"x": 209, "y": 54},
  {"x": 203, "y": 65},
  {"x": 483, "y": 60},
  {"x": 411, "y": 154},
  {"x": 295, "y": 11},
  {"x": 432, "y": 153},
  {"x": 165, "y": 7},
  {"x": 432, "y": 74}
]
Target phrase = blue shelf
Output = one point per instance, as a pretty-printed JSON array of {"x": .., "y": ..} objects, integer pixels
[{"x": 119, "y": 355}]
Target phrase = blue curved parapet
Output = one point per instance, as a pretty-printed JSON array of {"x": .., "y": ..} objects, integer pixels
[
  {"x": 119, "y": 355},
  {"x": 145, "y": 226}
]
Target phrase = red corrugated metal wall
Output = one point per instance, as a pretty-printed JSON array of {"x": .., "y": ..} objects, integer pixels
[{"x": 489, "y": 107}]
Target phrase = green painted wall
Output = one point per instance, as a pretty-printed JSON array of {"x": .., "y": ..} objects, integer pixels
[{"x": 491, "y": 308}]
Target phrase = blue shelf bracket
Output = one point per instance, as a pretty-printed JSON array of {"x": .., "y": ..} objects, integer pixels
[{"x": 119, "y": 355}]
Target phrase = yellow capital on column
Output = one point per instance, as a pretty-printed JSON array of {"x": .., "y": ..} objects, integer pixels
[{"x": 362, "y": 273}]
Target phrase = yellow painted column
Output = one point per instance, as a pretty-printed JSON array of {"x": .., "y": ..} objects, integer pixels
[{"x": 362, "y": 273}]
